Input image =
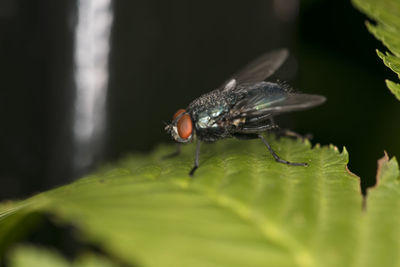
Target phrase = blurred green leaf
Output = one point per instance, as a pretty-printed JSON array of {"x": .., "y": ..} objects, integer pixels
[
  {"x": 386, "y": 14},
  {"x": 30, "y": 256},
  {"x": 241, "y": 209}
]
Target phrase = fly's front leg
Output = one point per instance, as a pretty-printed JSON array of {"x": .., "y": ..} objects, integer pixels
[
  {"x": 196, "y": 159},
  {"x": 174, "y": 154},
  {"x": 276, "y": 157}
]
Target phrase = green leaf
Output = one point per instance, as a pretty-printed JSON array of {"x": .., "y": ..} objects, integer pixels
[
  {"x": 380, "y": 232},
  {"x": 386, "y": 14},
  {"x": 394, "y": 88},
  {"x": 31, "y": 256},
  {"x": 241, "y": 209}
]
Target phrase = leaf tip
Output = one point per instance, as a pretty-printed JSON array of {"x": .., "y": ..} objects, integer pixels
[
  {"x": 307, "y": 142},
  {"x": 334, "y": 148},
  {"x": 394, "y": 88},
  {"x": 370, "y": 27},
  {"x": 345, "y": 152},
  {"x": 382, "y": 161},
  {"x": 379, "y": 53},
  {"x": 317, "y": 146}
]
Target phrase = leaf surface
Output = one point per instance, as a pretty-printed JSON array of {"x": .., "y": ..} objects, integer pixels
[
  {"x": 241, "y": 209},
  {"x": 23, "y": 256}
]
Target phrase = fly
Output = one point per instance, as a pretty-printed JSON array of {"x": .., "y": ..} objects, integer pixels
[{"x": 242, "y": 107}]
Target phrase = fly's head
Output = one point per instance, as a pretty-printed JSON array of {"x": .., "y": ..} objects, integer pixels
[{"x": 181, "y": 127}]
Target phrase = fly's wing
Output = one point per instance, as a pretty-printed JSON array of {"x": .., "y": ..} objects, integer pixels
[
  {"x": 265, "y": 100},
  {"x": 258, "y": 70}
]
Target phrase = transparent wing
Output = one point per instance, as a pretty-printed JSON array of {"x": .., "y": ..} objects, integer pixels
[
  {"x": 258, "y": 70},
  {"x": 296, "y": 102},
  {"x": 265, "y": 100}
]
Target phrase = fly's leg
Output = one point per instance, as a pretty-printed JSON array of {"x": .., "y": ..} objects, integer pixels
[
  {"x": 276, "y": 157},
  {"x": 196, "y": 159},
  {"x": 174, "y": 154}
]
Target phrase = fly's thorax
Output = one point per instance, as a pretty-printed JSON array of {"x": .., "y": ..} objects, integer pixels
[
  {"x": 211, "y": 123},
  {"x": 214, "y": 99},
  {"x": 209, "y": 107},
  {"x": 209, "y": 118}
]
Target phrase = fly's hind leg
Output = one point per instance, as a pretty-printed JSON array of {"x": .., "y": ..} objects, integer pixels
[
  {"x": 276, "y": 157},
  {"x": 254, "y": 132}
]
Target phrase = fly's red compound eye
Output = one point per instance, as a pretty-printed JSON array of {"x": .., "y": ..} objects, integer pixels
[
  {"x": 185, "y": 126},
  {"x": 179, "y": 112}
]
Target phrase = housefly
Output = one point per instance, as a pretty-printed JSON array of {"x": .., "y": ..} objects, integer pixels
[{"x": 242, "y": 107}]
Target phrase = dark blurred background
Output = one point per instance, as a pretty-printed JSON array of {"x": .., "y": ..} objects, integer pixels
[{"x": 83, "y": 84}]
